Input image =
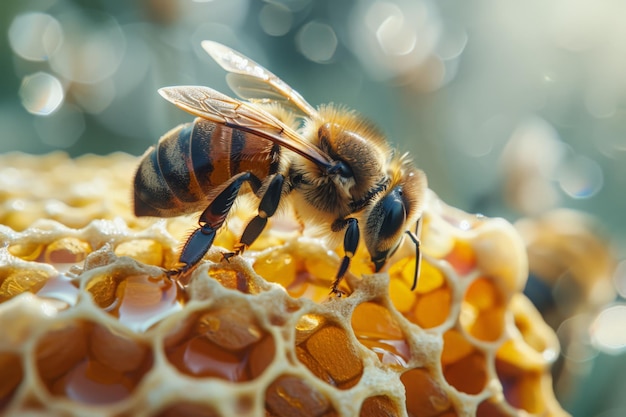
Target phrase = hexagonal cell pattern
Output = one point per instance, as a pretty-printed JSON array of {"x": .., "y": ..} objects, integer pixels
[{"x": 92, "y": 325}]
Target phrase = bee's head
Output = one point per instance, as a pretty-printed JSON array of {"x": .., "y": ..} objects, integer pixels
[{"x": 388, "y": 218}]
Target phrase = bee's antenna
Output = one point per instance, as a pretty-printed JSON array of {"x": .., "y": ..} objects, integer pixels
[{"x": 418, "y": 254}]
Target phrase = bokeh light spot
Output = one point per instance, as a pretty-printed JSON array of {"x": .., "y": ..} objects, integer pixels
[
  {"x": 93, "y": 48},
  {"x": 317, "y": 41},
  {"x": 35, "y": 36},
  {"x": 452, "y": 44},
  {"x": 275, "y": 19},
  {"x": 608, "y": 330},
  {"x": 574, "y": 338},
  {"x": 580, "y": 177},
  {"x": 394, "y": 35},
  {"x": 41, "y": 93}
]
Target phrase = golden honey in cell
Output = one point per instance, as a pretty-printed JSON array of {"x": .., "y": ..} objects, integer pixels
[{"x": 335, "y": 168}]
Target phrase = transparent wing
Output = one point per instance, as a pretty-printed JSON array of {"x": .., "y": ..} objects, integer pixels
[
  {"x": 250, "y": 80},
  {"x": 219, "y": 108}
]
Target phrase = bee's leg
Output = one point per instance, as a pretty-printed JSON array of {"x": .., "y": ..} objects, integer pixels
[
  {"x": 418, "y": 253},
  {"x": 267, "y": 207},
  {"x": 350, "y": 243},
  {"x": 211, "y": 219}
]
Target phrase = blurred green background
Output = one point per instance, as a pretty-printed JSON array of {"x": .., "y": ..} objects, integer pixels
[{"x": 511, "y": 108}]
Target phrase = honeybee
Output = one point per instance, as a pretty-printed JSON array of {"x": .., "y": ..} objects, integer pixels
[{"x": 336, "y": 168}]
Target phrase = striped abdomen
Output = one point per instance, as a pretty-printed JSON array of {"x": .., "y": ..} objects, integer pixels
[{"x": 180, "y": 175}]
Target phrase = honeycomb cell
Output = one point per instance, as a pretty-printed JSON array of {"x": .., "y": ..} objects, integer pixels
[
  {"x": 12, "y": 374},
  {"x": 467, "y": 369},
  {"x": 138, "y": 301},
  {"x": 482, "y": 310},
  {"x": 233, "y": 279},
  {"x": 521, "y": 389},
  {"x": 325, "y": 349},
  {"x": 16, "y": 281},
  {"x": 67, "y": 250},
  {"x": 223, "y": 343},
  {"x": 290, "y": 396},
  {"x": 188, "y": 410},
  {"x": 536, "y": 336},
  {"x": 375, "y": 328},
  {"x": 379, "y": 406},
  {"x": 147, "y": 251},
  {"x": 523, "y": 385},
  {"x": 91, "y": 364},
  {"x": 28, "y": 251},
  {"x": 424, "y": 396}
]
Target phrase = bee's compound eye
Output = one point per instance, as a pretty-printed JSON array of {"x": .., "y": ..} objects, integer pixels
[{"x": 393, "y": 213}]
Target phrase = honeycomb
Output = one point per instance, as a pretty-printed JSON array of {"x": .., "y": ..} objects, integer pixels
[{"x": 92, "y": 326}]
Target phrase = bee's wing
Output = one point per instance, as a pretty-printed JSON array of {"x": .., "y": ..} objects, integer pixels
[
  {"x": 219, "y": 108},
  {"x": 252, "y": 81}
]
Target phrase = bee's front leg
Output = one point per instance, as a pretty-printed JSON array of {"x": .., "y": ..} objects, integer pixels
[{"x": 350, "y": 243}]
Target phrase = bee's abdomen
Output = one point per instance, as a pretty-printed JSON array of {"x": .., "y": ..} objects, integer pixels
[
  {"x": 179, "y": 174},
  {"x": 162, "y": 179}
]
